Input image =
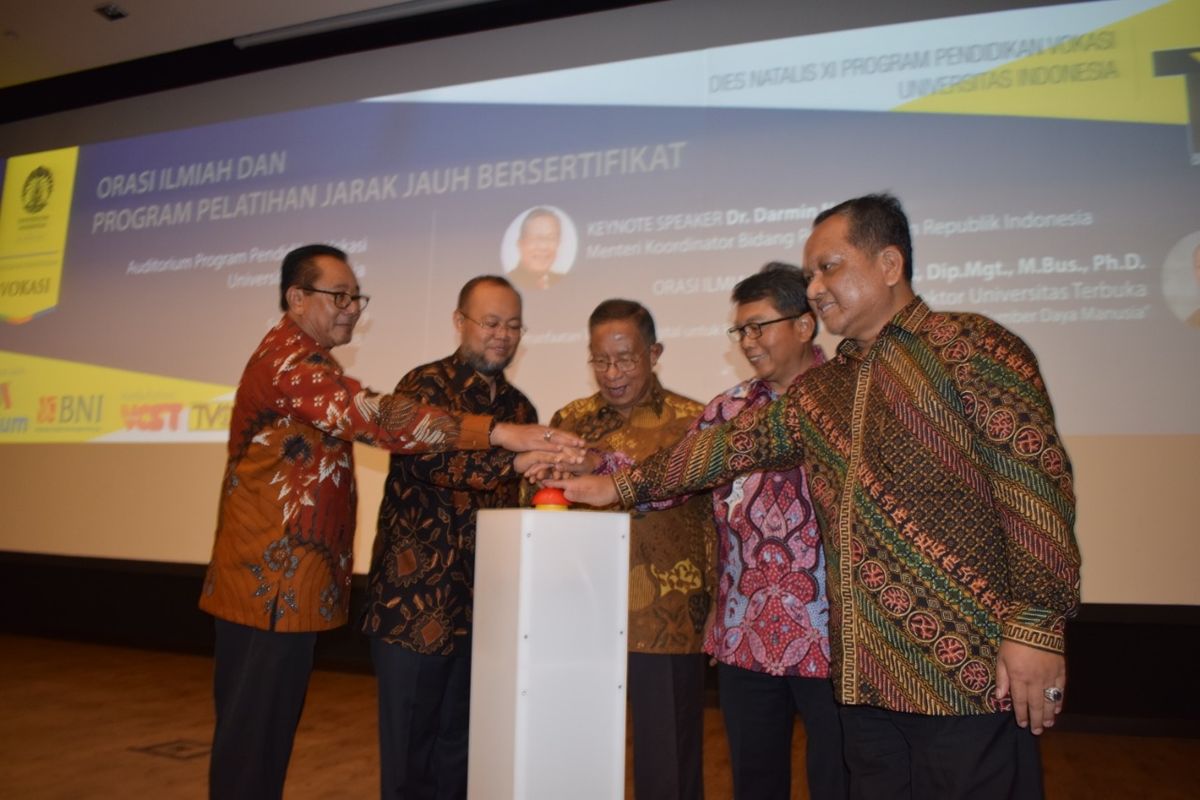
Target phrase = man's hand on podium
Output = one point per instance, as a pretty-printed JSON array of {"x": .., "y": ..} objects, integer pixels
[{"x": 598, "y": 491}]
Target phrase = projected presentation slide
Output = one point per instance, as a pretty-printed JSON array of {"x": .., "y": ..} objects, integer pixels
[{"x": 1046, "y": 157}]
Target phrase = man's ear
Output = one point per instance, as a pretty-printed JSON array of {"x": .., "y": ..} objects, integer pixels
[
  {"x": 807, "y": 323},
  {"x": 893, "y": 265},
  {"x": 656, "y": 350},
  {"x": 295, "y": 297}
]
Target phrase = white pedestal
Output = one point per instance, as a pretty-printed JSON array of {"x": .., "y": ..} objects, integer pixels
[{"x": 549, "y": 655}]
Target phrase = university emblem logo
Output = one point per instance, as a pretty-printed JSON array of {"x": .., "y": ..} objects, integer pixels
[{"x": 35, "y": 194}]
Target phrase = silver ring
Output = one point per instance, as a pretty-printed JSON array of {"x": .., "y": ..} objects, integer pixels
[
  {"x": 1053, "y": 694},
  {"x": 546, "y": 436}
]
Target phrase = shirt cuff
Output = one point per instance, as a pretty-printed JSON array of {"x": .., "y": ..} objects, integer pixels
[
  {"x": 475, "y": 432},
  {"x": 626, "y": 495},
  {"x": 1040, "y": 628}
]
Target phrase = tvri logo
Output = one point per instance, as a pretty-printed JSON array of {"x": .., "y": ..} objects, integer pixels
[{"x": 171, "y": 416}]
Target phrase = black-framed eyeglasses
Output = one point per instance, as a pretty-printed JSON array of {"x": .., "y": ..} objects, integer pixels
[
  {"x": 753, "y": 330},
  {"x": 342, "y": 300},
  {"x": 493, "y": 326}
]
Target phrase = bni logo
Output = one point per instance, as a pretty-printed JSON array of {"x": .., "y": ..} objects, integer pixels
[{"x": 35, "y": 194}]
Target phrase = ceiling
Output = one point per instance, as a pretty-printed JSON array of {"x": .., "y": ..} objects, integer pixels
[
  {"x": 57, "y": 55},
  {"x": 42, "y": 39}
]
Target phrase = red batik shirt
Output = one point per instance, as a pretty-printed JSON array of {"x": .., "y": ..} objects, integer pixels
[{"x": 283, "y": 551}]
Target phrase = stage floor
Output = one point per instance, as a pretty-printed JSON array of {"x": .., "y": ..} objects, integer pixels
[{"x": 91, "y": 721}]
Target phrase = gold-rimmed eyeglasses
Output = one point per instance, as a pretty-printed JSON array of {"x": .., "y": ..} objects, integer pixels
[{"x": 624, "y": 363}]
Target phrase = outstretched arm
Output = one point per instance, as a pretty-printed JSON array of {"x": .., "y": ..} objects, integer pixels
[{"x": 759, "y": 439}]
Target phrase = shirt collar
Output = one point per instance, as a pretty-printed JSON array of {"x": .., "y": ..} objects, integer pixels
[
  {"x": 466, "y": 376},
  {"x": 908, "y": 319},
  {"x": 758, "y": 386},
  {"x": 653, "y": 402},
  {"x": 289, "y": 328}
]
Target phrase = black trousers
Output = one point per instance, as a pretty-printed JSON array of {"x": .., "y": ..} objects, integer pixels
[
  {"x": 424, "y": 712},
  {"x": 759, "y": 710},
  {"x": 982, "y": 757},
  {"x": 260, "y": 679},
  {"x": 666, "y": 702}
]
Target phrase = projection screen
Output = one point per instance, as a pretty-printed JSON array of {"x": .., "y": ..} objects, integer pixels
[{"x": 1047, "y": 157}]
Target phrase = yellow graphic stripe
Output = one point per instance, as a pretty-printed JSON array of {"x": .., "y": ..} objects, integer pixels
[
  {"x": 1104, "y": 74},
  {"x": 50, "y": 400}
]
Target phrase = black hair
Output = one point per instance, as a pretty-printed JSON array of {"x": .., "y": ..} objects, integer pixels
[
  {"x": 300, "y": 268},
  {"x": 617, "y": 309},
  {"x": 464, "y": 294},
  {"x": 781, "y": 283},
  {"x": 876, "y": 221}
]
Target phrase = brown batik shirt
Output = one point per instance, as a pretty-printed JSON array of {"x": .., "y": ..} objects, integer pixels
[{"x": 670, "y": 551}]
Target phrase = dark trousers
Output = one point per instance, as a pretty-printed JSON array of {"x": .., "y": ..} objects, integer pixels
[
  {"x": 981, "y": 757},
  {"x": 666, "y": 701},
  {"x": 759, "y": 710},
  {"x": 260, "y": 679},
  {"x": 424, "y": 711}
]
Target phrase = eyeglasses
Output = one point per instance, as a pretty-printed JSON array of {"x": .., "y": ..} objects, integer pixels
[
  {"x": 753, "y": 330},
  {"x": 342, "y": 300},
  {"x": 493, "y": 326},
  {"x": 626, "y": 363}
]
